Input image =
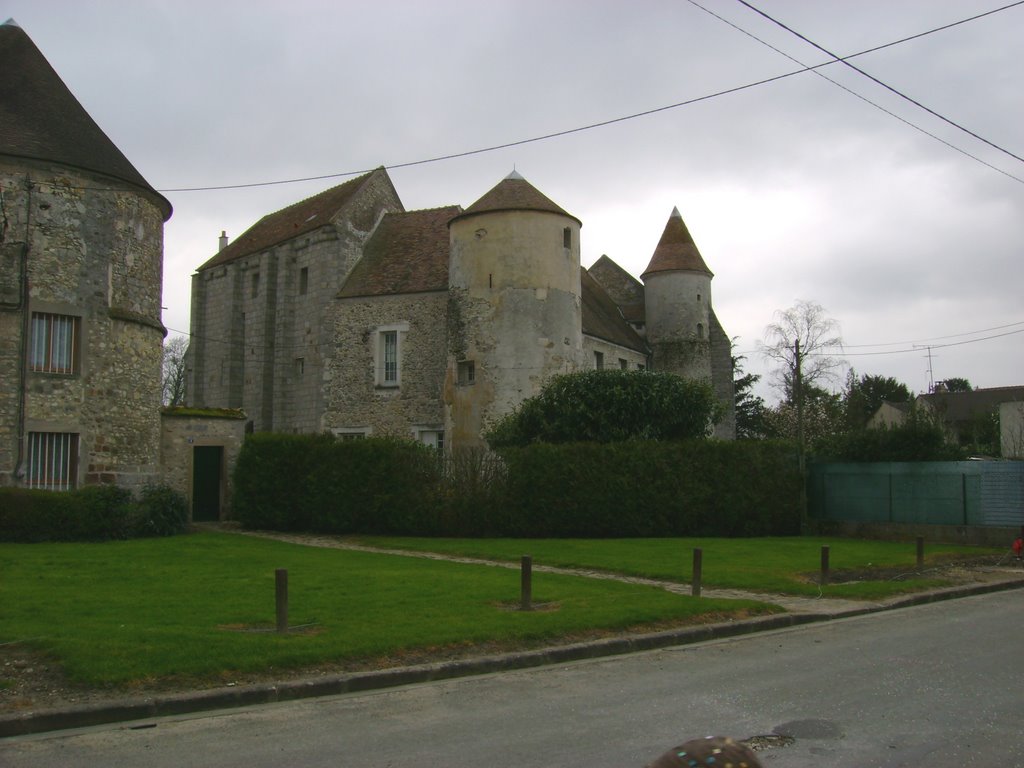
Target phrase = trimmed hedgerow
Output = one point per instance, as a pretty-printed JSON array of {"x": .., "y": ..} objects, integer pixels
[
  {"x": 319, "y": 483},
  {"x": 626, "y": 489},
  {"x": 92, "y": 513}
]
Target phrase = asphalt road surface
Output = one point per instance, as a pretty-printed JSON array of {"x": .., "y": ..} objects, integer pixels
[{"x": 940, "y": 686}]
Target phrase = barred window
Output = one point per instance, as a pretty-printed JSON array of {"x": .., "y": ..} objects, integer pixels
[
  {"x": 52, "y": 460},
  {"x": 54, "y": 343}
]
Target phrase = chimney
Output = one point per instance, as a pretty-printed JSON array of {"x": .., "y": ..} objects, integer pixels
[{"x": 223, "y": 241}]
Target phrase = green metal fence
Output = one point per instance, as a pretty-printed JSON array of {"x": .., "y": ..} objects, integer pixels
[{"x": 931, "y": 493}]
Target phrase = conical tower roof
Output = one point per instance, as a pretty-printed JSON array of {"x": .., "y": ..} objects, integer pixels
[
  {"x": 676, "y": 250},
  {"x": 513, "y": 193},
  {"x": 40, "y": 119}
]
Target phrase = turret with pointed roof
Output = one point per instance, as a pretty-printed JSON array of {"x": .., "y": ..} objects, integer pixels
[
  {"x": 682, "y": 330},
  {"x": 81, "y": 262},
  {"x": 676, "y": 250}
]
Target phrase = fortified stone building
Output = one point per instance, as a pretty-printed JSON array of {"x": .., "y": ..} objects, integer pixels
[
  {"x": 81, "y": 252},
  {"x": 81, "y": 275},
  {"x": 346, "y": 313}
]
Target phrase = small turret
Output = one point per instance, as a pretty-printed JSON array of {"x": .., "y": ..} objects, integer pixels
[{"x": 677, "y": 290}]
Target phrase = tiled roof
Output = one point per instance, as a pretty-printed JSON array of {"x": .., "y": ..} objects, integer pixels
[
  {"x": 408, "y": 253},
  {"x": 297, "y": 219},
  {"x": 601, "y": 317},
  {"x": 40, "y": 119},
  {"x": 625, "y": 290},
  {"x": 513, "y": 193},
  {"x": 676, "y": 249}
]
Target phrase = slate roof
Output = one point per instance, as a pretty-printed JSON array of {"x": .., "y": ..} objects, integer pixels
[
  {"x": 297, "y": 219},
  {"x": 625, "y": 290},
  {"x": 676, "y": 250},
  {"x": 514, "y": 193},
  {"x": 408, "y": 253},
  {"x": 602, "y": 318},
  {"x": 40, "y": 119}
]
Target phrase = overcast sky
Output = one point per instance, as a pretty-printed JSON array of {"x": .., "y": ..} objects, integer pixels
[{"x": 796, "y": 189}]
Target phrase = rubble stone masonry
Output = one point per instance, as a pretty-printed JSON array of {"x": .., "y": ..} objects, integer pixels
[{"x": 81, "y": 246}]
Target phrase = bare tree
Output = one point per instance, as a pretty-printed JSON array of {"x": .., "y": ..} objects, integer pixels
[
  {"x": 802, "y": 340},
  {"x": 174, "y": 370}
]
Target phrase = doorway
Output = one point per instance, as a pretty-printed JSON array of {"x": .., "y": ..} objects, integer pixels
[{"x": 207, "y": 463}]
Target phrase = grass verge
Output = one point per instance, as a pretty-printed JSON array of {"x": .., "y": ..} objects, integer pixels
[
  {"x": 791, "y": 566},
  {"x": 189, "y": 607}
]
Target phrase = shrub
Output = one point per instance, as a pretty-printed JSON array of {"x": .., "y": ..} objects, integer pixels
[
  {"x": 609, "y": 406},
  {"x": 160, "y": 511},
  {"x": 92, "y": 513}
]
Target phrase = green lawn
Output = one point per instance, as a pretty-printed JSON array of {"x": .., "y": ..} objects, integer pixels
[
  {"x": 779, "y": 565},
  {"x": 154, "y": 609}
]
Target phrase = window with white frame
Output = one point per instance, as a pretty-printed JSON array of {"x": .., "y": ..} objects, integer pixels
[
  {"x": 432, "y": 436},
  {"x": 54, "y": 346},
  {"x": 388, "y": 355},
  {"x": 52, "y": 460}
]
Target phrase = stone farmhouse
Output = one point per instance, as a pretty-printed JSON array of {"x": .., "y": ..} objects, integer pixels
[
  {"x": 346, "y": 313},
  {"x": 81, "y": 260}
]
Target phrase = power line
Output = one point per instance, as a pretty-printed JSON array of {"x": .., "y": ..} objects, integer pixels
[
  {"x": 920, "y": 342},
  {"x": 636, "y": 115},
  {"x": 874, "y": 79},
  {"x": 931, "y": 346},
  {"x": 866, "y": 100},
  {"x": 934, "y": 338}
]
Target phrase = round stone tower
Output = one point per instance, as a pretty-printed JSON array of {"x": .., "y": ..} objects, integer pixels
[
  {"x": 677, "y": 290},
  {"x": 81, "y": 251},
  {"x": 514, "y": 305}
]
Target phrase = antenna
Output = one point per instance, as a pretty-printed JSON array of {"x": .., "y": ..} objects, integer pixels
[{"x": 931, "y": 377}]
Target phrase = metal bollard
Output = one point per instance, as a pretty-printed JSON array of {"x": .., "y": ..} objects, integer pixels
[
  {"x": 920, "y": 551},
  {"x": 824, "y": 564}
]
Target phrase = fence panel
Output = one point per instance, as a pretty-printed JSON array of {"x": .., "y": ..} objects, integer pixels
[{"x": 933, "y": 493}]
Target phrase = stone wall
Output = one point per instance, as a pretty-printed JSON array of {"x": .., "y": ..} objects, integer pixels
[
  {"x": 613, "y": 355},
  {"x": 258, "y": 330},
  {"x": 723, "y": 378},
  {"x": 355, "y": 398},
  {"x": 94, "y": 254}
]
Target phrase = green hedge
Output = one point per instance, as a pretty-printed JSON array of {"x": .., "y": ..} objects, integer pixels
[
  {"x": 93, "y": 513},
  {"x": 700, "y": 488},
  {"x": 318, "y": 483}
]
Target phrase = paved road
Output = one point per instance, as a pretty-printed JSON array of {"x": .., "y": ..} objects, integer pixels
[{"x": 940, "y": 685}]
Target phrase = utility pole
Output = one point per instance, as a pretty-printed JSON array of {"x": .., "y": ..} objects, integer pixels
[{"x": 798, "y": 394}]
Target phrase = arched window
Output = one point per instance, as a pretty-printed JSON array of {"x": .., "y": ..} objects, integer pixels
[{"x": 700, "y": 330}]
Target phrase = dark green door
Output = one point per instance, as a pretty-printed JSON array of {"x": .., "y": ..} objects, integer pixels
[{"x": 206, "y": 479}]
